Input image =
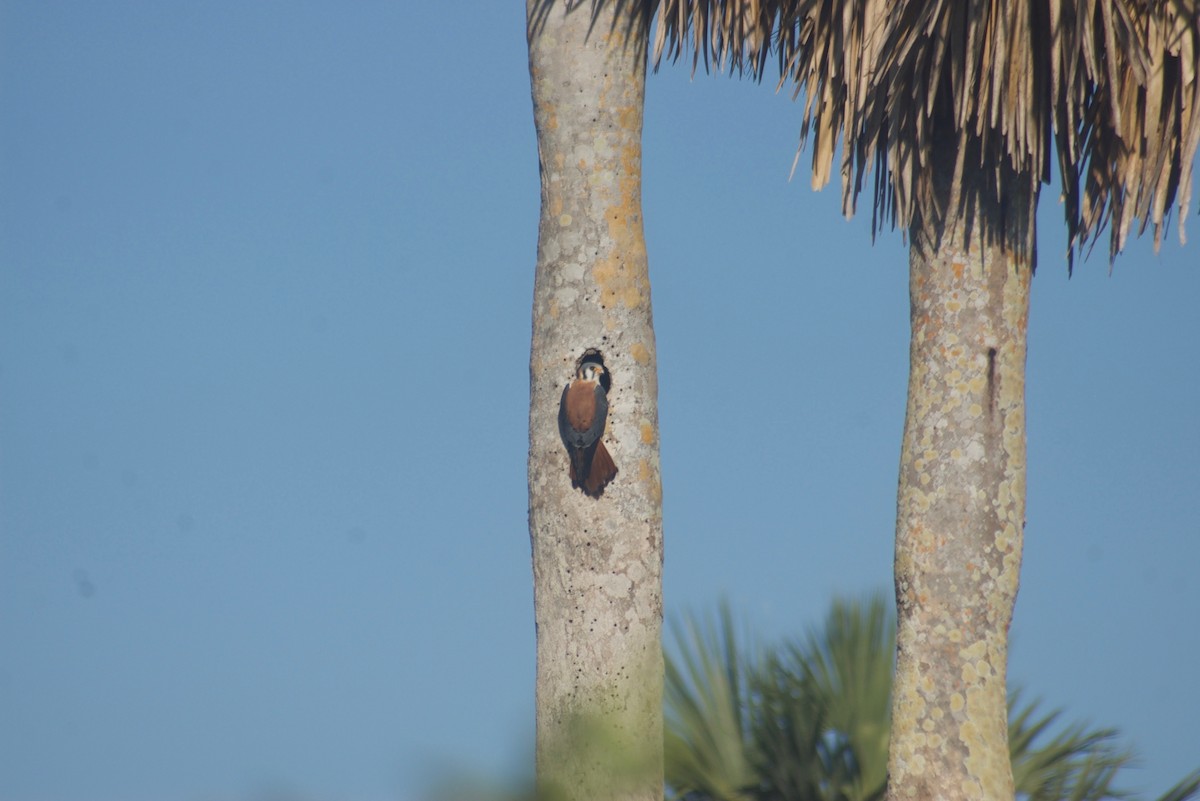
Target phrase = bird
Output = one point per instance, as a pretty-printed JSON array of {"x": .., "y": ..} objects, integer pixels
[{"x": 582, "y": 415}]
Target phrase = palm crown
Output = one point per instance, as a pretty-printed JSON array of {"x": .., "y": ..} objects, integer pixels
[{"x": 1107, "y": 88}]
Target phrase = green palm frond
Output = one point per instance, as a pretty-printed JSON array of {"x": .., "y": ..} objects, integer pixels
[
  {"x": 791, "y": 756},
  {"x": 706, "y": 746},
  {"x": 1188, "y": 788},
  {"x": 1074, "y": 763},
  {"x": 807, "y": 720},
  {"x": 1107, "y": 88},
  {"x": 849, "y": 664}
]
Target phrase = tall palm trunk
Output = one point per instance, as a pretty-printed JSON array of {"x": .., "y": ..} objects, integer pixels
[
  {"x": 960, "y": 108},
  {"x": 961, "y": 504},
  {"x": 597, "y": 562}
]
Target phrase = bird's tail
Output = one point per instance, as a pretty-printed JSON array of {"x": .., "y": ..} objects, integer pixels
[
  {"x": 599, "y": 472},
  {"x": 580, "y": 461}
]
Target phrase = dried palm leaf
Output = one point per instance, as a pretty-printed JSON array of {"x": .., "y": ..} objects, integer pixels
[{"x": 1110, "y": 88}]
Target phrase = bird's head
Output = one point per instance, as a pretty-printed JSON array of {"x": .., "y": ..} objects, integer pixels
[{"x": 590, "y": 371}]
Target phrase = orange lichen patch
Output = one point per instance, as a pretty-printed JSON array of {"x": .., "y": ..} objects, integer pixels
[
  {"x": 648, "y": 474},
  {"x": 640, "y": 353},
  {"x": 622, "y": 276},
  {"x": 608, "y": 274},
  {"x": 553, "y": 311},
  {"x": 630, "y": 117},
  {"x": 647, "y": 433},
  {"x": 631, "y": 297}
]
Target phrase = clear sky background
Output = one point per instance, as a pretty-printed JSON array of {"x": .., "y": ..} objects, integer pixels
[{"x": 265, "y": 289}]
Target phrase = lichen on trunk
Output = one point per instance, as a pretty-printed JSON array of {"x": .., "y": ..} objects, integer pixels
[{"x": 961, "y": 499}]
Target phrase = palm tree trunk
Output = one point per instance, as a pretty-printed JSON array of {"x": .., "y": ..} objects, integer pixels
[
  {"x": 961, "y": 500},
  {"x": 597, "y": 562}
]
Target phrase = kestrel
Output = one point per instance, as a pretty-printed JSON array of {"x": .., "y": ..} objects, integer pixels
[{"x": 582, "y": 415}]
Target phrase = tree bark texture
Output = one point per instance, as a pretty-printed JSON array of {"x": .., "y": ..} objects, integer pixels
[
  {"x": 597, "y": 562},
  {"x": 961, "y": 498}
]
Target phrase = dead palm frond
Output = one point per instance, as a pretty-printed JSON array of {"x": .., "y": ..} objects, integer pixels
[{"x": 1108, "y": 88}]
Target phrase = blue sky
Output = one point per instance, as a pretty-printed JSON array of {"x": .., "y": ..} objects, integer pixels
[{"x": 265, "y": 283}]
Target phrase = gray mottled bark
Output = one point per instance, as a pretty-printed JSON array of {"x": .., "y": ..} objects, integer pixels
[
  {"x": 597, "y": 562},
  {"x": 961, "y": 505}
]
